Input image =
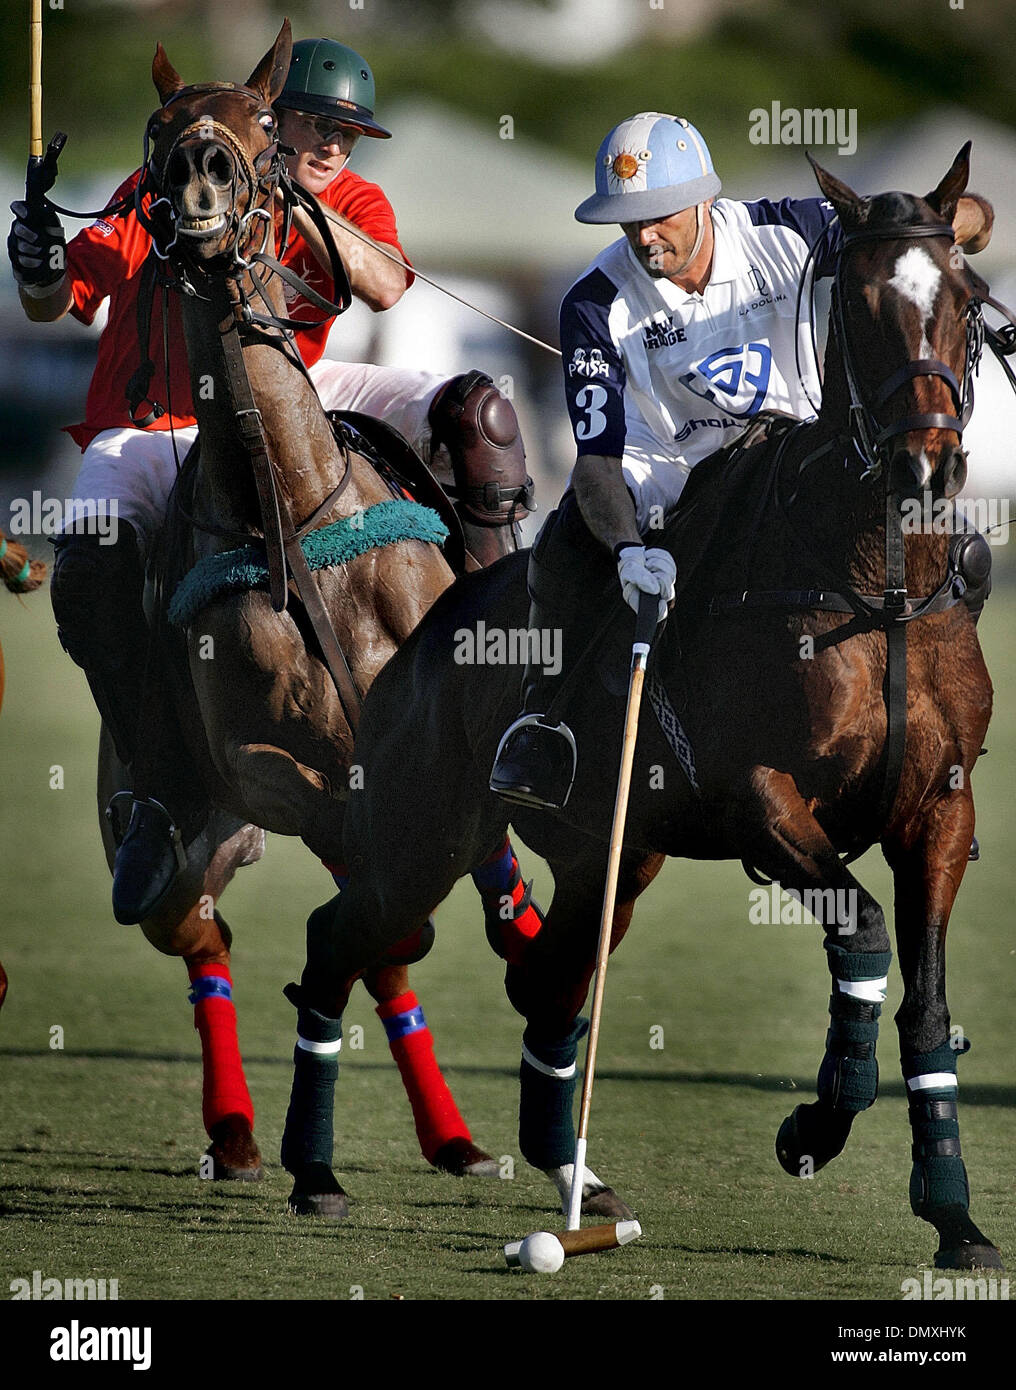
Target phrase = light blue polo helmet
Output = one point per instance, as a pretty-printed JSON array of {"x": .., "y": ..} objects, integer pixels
[{"x": 650, "y": 166}]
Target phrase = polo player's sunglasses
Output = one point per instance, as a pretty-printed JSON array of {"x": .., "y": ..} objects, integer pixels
[{"x": 328, "y": 132}]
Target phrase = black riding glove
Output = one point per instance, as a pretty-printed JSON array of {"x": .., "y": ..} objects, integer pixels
[{"x": 36, "y": 246}]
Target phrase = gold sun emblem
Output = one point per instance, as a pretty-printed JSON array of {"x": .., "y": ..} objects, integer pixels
[{"x": 625, "y": 166}]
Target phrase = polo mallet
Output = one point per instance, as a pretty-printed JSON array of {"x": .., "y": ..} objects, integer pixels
[
  {"x": 577, "y": 1241},
  {"x": 41, "y": 166}
]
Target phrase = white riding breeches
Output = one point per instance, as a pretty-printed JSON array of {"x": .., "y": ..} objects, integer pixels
[{"x": 136, "y": 469}]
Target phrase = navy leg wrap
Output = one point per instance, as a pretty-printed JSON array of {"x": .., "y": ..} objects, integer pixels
[
  {"x": 848, "y": 1076},
  {"x": 309, "y": 1135},
  {"x": 938, "y": 1177},
  {"x": 547, "y": 1075}
]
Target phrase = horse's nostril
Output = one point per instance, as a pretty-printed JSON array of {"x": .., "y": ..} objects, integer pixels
[
  {"x": 954, "y": 473},
  {"x": 218, "y": 165},
  {"x": 178, "y": 170}
]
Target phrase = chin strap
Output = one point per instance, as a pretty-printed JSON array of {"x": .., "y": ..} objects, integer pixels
[{"x": 700, "y": 223}]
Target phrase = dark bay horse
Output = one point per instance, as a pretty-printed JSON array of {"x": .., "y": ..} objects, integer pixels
[
  {"x": 20, "y": 575},
  {"x": 798, "y": 583},
  {"x": 266, "y": 685}
]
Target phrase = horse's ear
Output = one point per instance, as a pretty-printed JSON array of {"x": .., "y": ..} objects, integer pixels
[
  {"x": 852, "y": 209},
  {"x": 269, "y": 77},
  {"x": 972, "y": 222},
  {"x": 945, "y": 197},
  {"x": 165, "y": 76}
]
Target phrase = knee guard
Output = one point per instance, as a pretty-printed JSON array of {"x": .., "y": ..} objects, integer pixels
[
  {"x": 480, "y": 430},
  {"x": 970, "y": 560}
]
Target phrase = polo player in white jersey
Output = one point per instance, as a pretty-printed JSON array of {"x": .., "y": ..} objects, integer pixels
[{"x": 673, "y": 340}]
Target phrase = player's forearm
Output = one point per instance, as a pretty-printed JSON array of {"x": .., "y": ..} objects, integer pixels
[
  {"x": 604, "y": 500},
  {"x": 375, "y": 279},
  {"x": 48, "y": 305}
]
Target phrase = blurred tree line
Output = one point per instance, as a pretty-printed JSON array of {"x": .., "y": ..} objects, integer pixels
[{"x": 889, "y": 61}]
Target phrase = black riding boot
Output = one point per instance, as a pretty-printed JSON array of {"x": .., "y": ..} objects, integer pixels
[
  {"x": 97, "y": 599},
  {"x": 572, "y": 582}
]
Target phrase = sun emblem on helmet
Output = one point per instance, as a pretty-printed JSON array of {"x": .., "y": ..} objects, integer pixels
[{"x": 625, "y": 166}]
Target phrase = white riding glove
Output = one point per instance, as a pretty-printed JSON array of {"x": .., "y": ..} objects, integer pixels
[{"x": 643, "y": 571}]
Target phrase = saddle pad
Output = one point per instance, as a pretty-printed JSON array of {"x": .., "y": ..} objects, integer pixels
[{"x": 236, "y": 571}]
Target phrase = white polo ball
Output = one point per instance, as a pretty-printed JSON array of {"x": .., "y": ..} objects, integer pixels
[{"x": 541, "y": 1253}]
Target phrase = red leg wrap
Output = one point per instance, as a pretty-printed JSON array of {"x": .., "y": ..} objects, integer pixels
[
  {"x": 224, "y": 1090},
  {"x": 435, "y": 1113}
]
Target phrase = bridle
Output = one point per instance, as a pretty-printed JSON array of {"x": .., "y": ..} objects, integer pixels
[
  {"x": 230, "y": 289},
  {"x": 870, "y": 438}
]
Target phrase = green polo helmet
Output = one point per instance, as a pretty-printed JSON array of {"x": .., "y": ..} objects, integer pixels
[{"x": 328, "y": 79}]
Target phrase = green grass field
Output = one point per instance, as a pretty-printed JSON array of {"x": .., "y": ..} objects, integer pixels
[{"x": 100, "y": 1140}]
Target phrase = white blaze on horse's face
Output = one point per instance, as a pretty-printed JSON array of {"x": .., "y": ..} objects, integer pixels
[{"x": 918, "y": 279}]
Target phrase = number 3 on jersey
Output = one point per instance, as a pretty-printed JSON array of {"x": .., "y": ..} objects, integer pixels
[{"x": 589, "y": 400}]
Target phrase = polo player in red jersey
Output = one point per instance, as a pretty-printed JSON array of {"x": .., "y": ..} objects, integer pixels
[
  {"x": 131, "y": 451},
  {"x": 325, "y": 107}
]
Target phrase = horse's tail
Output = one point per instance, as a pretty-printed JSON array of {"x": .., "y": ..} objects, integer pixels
[{"x": 18, "y": 572}]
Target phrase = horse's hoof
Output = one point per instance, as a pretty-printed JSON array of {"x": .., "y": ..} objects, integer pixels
[
  {"x": 317, "y": 1193},
  {"x": 463, "y": 1159},
  {"x": 961, "y": 1244},
  {"x": 605, "y": 1202},
  {"x": 234, "y": 1152},
  {"x": 969, "y": 1257},
  {"x": 807, "y": 1141}
]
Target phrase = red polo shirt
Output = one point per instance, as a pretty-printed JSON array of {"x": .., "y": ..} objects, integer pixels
[{"x": 105, "y": 260}]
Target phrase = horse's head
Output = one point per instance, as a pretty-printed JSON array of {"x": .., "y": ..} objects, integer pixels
[
  {"x": 907, "y": 326},
  {"x": 214, "y": 156}
]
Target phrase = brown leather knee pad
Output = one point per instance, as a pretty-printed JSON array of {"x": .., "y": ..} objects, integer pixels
[{"x": 479, "y": 428}]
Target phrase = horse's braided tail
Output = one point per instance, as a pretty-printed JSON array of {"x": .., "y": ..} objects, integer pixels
[{"x": 19, "y": 573}]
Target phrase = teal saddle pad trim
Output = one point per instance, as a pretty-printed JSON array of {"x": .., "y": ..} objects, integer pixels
[{"x": 236, "y": 571}]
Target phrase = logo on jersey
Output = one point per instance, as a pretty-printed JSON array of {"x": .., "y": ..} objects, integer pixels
[
  {"x": 757, "y": 278},
  {"x": 593, "y": 365},
  {"x": 663, "y": 333},
  {"x": 713, "y": 423},
  {"x": 736, "y": 379}
]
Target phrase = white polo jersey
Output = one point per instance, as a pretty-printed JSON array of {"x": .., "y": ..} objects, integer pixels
[{"x": 660, "y": 378}]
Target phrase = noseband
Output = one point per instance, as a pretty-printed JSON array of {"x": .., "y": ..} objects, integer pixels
[
  {"x": 869, "y": 437},
  {"x": 257, "y": 176}
]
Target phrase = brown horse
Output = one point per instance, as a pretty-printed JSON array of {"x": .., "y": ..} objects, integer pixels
[
  {"x": 263, "y": 733},
  {"x": 807, "y": 740},
  {"x": 21, "y": 575}
]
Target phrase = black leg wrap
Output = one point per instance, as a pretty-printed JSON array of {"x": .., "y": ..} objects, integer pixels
[
  {"x": 848, "y": 1076},
  {"x": 546, "y": 1127},
  {"x": 939, "y": 1189}
]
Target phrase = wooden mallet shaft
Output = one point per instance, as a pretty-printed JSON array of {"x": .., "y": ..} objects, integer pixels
[
  {"x": 644, "y": 630},
  {"x": 584, "y": 1242},
  {"x": 35, "y": 81}
]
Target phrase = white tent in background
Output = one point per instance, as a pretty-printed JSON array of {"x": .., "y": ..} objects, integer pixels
[{"x": 467, "y": 198}]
